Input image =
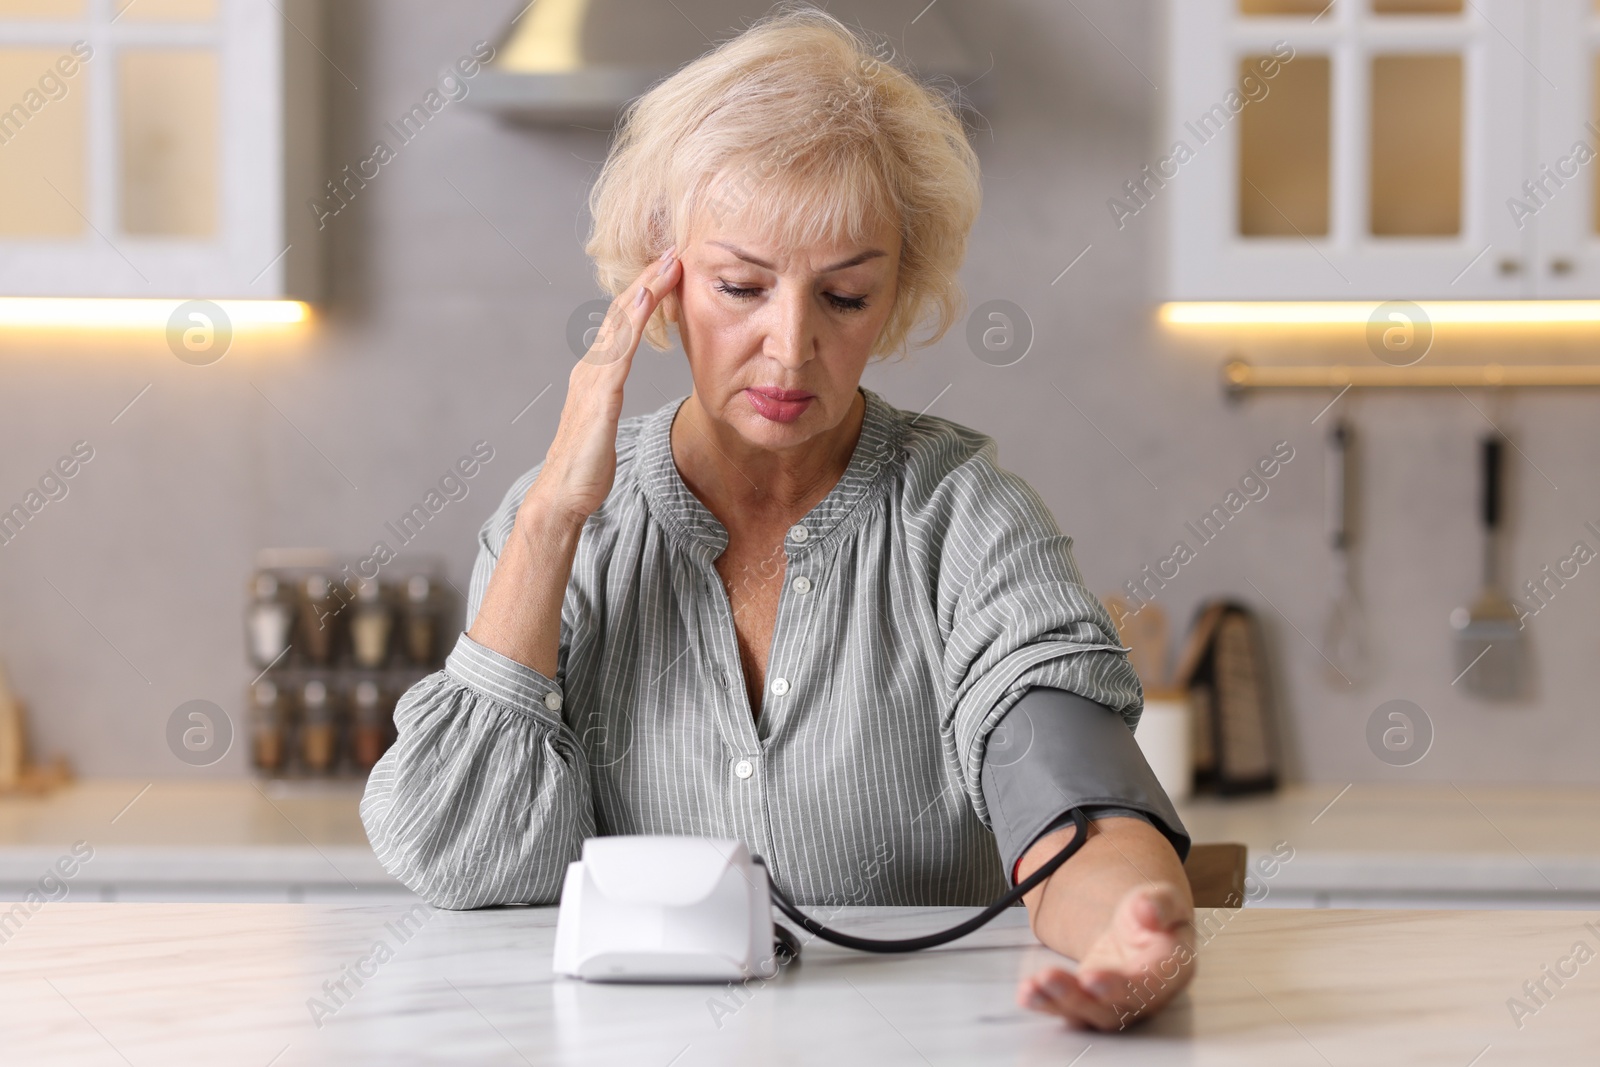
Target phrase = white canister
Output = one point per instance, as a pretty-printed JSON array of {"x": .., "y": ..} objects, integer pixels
[{"x": 1163, "y": 736}]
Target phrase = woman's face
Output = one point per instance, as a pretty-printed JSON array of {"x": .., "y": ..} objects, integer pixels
[{"x": 777, "y": 338}]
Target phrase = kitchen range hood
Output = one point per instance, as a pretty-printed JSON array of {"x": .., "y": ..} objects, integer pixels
[{"x": 581, "y": 61}]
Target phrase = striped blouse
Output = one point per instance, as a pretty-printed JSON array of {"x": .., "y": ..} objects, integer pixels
[{"x": 922, "y": 596}]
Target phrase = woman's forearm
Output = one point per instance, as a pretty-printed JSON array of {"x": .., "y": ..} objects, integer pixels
[
  {"x": 1074, "y": 907},
  {"x": 520, "y": 616}
]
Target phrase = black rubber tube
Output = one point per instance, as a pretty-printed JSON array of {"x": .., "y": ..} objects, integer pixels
[{"x": 915, "y": 944}]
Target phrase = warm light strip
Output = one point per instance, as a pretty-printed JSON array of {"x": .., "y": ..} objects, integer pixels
[
  {"x": 1358, "y": 312},
  {"x": 1239, "y": 376},
  {"x": 122, "y": 314}
]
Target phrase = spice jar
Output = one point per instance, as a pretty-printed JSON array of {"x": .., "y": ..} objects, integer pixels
[
  {"x": 268, "y": 728},
  {"x": 268, "y": 620},
  {"x": 371, "y": 626},
  {"x": 422, "y": 621},
  {"x": 319, "y": 615},
  {"x": 371, "y": 724},
  {"x": 318, "y": 733}
]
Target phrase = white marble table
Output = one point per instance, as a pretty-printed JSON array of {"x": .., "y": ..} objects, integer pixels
[{"x": 232, "y": 984}]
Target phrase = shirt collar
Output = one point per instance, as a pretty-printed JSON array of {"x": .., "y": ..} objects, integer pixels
[{"x": 696, "y": 529}]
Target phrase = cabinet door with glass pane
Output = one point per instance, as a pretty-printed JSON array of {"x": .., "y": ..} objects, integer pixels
[
  {"x": 153, "y": 148},
  {"x": 1358, "y": 149}
]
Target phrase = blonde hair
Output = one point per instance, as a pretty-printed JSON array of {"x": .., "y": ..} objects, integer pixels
[{"x": 805, "y": 125}]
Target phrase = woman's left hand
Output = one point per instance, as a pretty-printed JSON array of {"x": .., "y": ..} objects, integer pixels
[{"x": 1142, "y": 960}]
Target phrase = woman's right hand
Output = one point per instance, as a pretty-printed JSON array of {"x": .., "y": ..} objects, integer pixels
[{"x": 581, "y": 465}]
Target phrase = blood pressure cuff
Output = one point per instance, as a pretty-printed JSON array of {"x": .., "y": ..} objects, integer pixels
[{"x": 1055, "y": 751}]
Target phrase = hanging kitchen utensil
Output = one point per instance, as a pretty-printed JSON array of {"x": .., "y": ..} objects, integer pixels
[
  {"x": 1490, "y": 648},
  {"x": 1344, "y": 632}
]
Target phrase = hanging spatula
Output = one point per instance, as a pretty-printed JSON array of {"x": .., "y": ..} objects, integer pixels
[
  {"x": 1490, "y": 647},
  {"x": 1344, "y": 633}
]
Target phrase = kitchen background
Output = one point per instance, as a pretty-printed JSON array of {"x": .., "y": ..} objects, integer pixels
[{"x": 453, "y": 275}]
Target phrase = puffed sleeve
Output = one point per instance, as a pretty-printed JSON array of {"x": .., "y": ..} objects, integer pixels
[
  {"x": 484, "y": 796},
  {"x": 1010, "y": 604}
]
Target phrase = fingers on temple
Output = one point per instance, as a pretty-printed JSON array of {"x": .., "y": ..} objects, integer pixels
[
  {"x": 657, "y": 277},
  {"x": 637, "y": 303},
  {"x": 619, "y": 333}
]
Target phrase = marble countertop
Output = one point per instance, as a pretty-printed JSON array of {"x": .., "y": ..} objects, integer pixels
[
  {"x": 238, "y": 831},
  {"x": 1440, "y": 839},
  {"x": 177, "y": 984},
  {"x": 1513, "y": 842}
]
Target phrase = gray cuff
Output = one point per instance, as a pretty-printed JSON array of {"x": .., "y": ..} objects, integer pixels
[
  {"x": 504, "y": 680},
  {"x": 1055, "y": 751}
]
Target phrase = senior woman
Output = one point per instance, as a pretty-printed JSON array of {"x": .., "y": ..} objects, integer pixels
[{"x": 781, "y": 609}]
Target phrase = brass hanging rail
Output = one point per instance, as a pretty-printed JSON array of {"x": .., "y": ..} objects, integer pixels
[{"x": 1239, "y": 376}]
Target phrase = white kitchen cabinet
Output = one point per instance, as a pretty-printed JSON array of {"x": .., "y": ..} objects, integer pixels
[
  {"x": 1378, "y": 152},
  {"x": 1563, "y": 239},
  {"x": 159, "y": 148}
]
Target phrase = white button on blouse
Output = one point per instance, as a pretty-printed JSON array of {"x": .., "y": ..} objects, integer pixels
[
  {"x": 743, "y": 768},
  {"x": 780, "y": 686},
  {"x": 552, "y": 700},
  {"x": 801, "y": 584},
  {"x": 799, "y": 534}
]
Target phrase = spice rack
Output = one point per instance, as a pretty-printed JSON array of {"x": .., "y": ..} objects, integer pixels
[{"x": 337, "y": 641}]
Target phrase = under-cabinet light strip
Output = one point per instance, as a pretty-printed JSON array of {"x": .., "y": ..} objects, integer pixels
[
  {"x": 1240, "y": 376},
  {"x": 1359, "y": 312},
  {"x": 120, "y": 314}
]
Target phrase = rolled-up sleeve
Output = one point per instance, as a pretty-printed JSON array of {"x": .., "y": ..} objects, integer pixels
[
  {"x": 484, "y": 797},
  {"x": 1011, "y": 606}
]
